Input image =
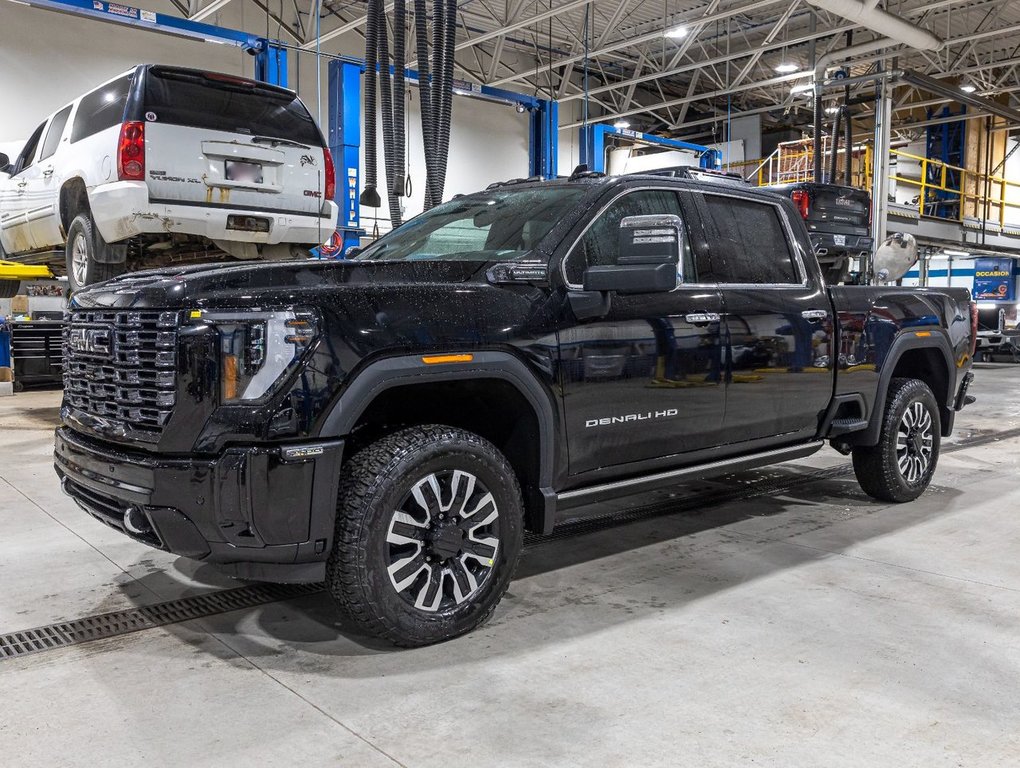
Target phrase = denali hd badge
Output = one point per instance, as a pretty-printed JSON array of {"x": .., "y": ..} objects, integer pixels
[{"x": 609, "y": 420}]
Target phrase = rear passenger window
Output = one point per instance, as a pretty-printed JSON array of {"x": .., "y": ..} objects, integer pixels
[
  {"x": 101, "y": 109},
  {"x": 751, "y": 240},
  {"x": 54, "y": 133}
]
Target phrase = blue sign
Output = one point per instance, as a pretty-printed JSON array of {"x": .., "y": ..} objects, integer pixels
[{"x": 993, "y": 280}]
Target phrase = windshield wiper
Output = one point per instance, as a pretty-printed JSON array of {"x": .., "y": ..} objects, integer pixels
[{"x": 278, "y": 142}]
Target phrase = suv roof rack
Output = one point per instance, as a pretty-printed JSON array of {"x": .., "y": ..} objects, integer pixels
[{"x": 695, "y": 174}]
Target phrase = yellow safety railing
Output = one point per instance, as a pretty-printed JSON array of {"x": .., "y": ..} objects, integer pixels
[
  {"x": 974, "y": 191},
  {"x": 794, "y": 162}
]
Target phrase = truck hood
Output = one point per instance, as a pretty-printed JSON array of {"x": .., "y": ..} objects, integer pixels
[{"x": 257, "y": 285}]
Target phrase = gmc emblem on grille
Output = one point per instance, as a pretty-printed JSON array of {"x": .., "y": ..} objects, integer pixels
[{"x": 89, "y": 340}]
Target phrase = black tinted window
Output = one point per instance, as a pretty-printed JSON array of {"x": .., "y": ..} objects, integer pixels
[
  {"x": 225, "y": 103},
  {"x": 54, "y": 133},
  {"x": 600, "y": 245},
  {"x": 102, "y": 108},
  {"x": 749, "y": 244}
]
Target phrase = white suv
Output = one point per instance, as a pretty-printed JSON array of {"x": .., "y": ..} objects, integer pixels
[{"x": 167, "y": 164}]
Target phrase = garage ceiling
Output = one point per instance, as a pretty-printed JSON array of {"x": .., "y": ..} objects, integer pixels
[{"x": 724, "y": 64}]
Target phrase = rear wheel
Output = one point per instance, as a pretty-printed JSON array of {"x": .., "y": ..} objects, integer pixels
[
  {"x": 901, "y": 466},
  {"x": 428, "y": 534},
  {"x": 84, "y": 245}
]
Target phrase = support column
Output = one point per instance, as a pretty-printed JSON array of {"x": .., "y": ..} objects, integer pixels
[
  {"x": 880, "y": 170},
  {"x": 345, "y": 143},
  {"x": 544, "y": 150},
  {"x": 271, "y": 63}
]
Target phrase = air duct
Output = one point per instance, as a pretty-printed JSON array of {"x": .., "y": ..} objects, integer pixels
[{"x": 868, "y": 15}]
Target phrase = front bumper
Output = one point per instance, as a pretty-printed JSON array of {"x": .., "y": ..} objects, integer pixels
[
  {"x": 122, "y": 209},
  {"x": 260, "y": 512}
]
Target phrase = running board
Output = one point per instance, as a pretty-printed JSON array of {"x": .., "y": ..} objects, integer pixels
[{"x": 635, "y": 485}]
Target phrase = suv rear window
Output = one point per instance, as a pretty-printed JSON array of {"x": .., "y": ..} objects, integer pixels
[
  {"x": 224, "y": 103},
  {"x": 101, "y": 109}
]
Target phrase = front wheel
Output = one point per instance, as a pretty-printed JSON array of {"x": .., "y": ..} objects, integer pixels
[
  {"x": 84, "y": 244},
  {"x": 901, "y": 466},
  {"x": 428, "y": 535}
]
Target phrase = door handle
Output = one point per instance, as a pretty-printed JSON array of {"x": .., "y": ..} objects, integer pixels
[
  {"x": 22, "y": 183},
  {"x": 48, "y": 172},
  {"x": 702, "y": 318},
  {"x": 815, "y": 314}
]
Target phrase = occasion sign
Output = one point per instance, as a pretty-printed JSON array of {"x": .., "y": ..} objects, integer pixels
[{"x": 993, "y": 280}]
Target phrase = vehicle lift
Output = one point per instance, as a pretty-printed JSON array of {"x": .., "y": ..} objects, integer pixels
[{"x": 593, "y": 141}]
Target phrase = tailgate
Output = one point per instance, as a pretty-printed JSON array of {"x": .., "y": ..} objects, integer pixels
[
  {"x": 840, "y": 209},
  {"x": 228, "y": 142}
]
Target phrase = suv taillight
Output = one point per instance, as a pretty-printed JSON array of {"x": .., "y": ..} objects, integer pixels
[
  {"x": 131, "y": 152},
  {"x": 802, "y": 201},
  {"x": 330, "y": 191}
]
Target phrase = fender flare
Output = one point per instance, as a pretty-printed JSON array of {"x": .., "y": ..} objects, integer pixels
[
  {"x": 906, "y": 342},
  {"x": 376, "y": 377}
]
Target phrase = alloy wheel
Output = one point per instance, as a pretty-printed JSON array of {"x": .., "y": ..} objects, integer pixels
[
  {"x": 442, "y": 540},
  {"x": 80, "y": 258},
  {"x": 914, "y": 442}
]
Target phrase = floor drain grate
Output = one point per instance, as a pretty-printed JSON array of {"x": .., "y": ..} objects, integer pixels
[{"x": 147, "y": 617}]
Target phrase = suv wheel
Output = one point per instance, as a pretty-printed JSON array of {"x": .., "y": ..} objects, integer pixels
[
  {"x": 428, "y": 535},
  {"x": 83, "y": 243},
  {"x": 901, "y": 466}
]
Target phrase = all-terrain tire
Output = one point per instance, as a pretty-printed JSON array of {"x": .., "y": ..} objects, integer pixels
[
  {"x": 84, "y": 242},
  {"x": 900, "y": 467},
  {"x": 406, "y": 502}
]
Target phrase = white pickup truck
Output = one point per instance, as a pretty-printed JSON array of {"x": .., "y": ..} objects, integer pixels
[{"x": 164, "y": 164}]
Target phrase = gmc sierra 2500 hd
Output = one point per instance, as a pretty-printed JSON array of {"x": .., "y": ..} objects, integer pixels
[{"x": 393, "y": 423}]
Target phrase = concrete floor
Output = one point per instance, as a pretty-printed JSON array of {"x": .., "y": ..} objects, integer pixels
[{"x": 814, "y": 628}]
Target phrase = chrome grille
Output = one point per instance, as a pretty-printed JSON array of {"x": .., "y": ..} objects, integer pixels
[{"x": 120, "y": 366}]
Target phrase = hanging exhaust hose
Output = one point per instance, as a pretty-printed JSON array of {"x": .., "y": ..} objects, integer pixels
[
  {"x": 443, "y": 140},
  {"x": 370, "y": 195},
  {"x": 438, "y": 80},
  {"x": 424, "y": 91},
  {"x": 837, "y": 121},
  {"x": 399, "y": 99},
  {"x": 387, "y": 114}
]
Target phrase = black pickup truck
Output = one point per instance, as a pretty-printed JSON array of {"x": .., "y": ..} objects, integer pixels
[{"x": 394, "y": 423}]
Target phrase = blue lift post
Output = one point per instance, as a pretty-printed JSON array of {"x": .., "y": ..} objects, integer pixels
[
  {"x": 345, "y": 134},
  {"x": 593, "y": 146}
]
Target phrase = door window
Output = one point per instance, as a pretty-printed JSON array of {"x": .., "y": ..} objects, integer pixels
[
  {"x": 752, "y": 242},
  {"x": 600, "y": 244},
  {"x": 54, "y": 133},
  {"x": 26, "y": 158},
  {"x": 101, "y": 109}
]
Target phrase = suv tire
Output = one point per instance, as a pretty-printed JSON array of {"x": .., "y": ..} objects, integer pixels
[
  {"x": 428, "y": 535},
  {"x": 901, "y": 466},
  {"x": 83, "y": 244}
]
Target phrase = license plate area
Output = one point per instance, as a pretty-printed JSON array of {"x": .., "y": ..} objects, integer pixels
[
  {"x": 238, "y": 170},
  {"x": 248, "y": 223},
  {"x": 839, "y": 239}
]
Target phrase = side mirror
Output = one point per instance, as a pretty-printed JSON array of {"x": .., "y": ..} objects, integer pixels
[
  {"x": 5, "y": 163},
  {"x": 649, "y": 259}
]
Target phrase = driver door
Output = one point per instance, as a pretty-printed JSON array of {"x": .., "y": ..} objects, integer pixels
[{"x": 643, "y": 383}]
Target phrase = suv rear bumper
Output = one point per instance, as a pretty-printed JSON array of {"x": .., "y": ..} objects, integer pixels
[
  {"x": 122, "y": 209},
  {"x": 825, "y": 243},
  {"x": 258, "y": 512}
]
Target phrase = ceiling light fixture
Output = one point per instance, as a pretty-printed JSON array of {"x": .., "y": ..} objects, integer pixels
[
  {"x": 787, "y": 68},
  {"x": 621, "y": 124},
  {"x": 804, "y": 89},
  {"x": 676, "y": 32},
  {"x": 968, "y": 87}
]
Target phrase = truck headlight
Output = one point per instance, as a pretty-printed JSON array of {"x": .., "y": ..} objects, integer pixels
[{"x": 257, "y": 349}]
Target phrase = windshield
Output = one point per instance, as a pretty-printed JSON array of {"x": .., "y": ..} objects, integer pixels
[{"x": 500, "y": 224}]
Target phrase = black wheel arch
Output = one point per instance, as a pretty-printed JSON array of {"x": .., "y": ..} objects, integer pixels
[
  {"x": 410, "y": 374},
  {"x": 928, "y": 358}
]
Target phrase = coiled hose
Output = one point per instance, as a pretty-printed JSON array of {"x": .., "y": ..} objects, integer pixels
[
  {"x": 399, "y": 100},
  {"x": 387, "y": 115},
  {"x": 424, "y": 91},
  {"x": 370, "y": 194},
  {"x": 444, "y": 121}
]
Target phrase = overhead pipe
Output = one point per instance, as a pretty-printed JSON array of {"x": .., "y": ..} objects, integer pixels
[{"x": 884, "y": 23}]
